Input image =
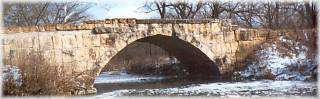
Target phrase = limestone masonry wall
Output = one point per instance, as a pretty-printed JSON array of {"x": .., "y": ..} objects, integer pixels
[
  {"x": 81, "y": 46},
  {"x": 90, "y": 45}
]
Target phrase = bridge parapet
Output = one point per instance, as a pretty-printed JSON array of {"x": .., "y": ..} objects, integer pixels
[{"x": 89, "y": 25}]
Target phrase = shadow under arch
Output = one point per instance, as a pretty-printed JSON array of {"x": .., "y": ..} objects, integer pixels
[{"x": 199, "y": 64}]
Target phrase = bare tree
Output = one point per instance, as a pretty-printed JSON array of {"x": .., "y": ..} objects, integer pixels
[
  {"x": 26, "y": 14},
  {"x": 159, "y": 6},
  {"x": 170, "y": 9},
  {"x": 185, "y": 10},
  {"x": 213, "y": 9},
  {"x": 271, "y": 14}
]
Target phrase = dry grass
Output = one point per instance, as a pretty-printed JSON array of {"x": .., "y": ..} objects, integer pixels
[{"x": 39, "y": 78}]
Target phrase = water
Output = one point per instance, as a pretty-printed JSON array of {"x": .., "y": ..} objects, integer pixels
[{"x": 132, "y": 85}]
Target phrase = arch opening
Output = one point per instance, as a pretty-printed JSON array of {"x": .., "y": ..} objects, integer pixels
[{"x": 190, "y": 60}]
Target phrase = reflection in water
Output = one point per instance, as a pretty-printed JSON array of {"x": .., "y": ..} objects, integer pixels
[
  {"x": 122, "y": 77},
  {"x": 107, "y": 82},
  {"x": 123, "y": 84}
]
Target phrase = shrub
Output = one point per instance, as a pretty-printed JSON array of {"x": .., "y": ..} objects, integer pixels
[{"x": 38, "y": 77}]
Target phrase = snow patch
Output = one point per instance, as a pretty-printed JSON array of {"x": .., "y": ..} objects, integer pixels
[
  {"x": 12, "y": 71},
  {"x": 280, "y": 64}
]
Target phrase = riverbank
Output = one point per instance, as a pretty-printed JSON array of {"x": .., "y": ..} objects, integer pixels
[
  {"x": 222, "y": 89},
  {"x": 160, "y": 86}
]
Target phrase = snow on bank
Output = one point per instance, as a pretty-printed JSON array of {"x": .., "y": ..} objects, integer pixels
[
  {"x": 283, "y": 59},
  {"x": 12, "y": 71},
  {"x": 260, "y": 88}
]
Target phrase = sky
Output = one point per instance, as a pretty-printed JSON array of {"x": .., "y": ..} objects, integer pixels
[{"x": 118, "y": 9}]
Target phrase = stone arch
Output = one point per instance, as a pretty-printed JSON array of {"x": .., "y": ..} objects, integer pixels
[{"x": 199, "y": 64}]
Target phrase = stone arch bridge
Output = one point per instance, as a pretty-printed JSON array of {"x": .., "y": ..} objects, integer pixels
[{"x": 211, "y": 47}]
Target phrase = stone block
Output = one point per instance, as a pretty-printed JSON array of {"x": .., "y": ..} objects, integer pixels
[
  {"x": 217, "y": 37},
  {"x": 122, "y": 21},
  {"x": 132, "y": 21},
  {"x": 191, "y": 28},
  {"x": 50, "y": 27},
  {"x": 59, "y": 27},
  {"x": 69, "y": 41},
  {"x": 224, "y": 49},
  {"x": 35, "y": 43},
  {"x": 67, "y": 27},
  {"x": 27, "y": 42},
  {"x": 81, "y": 54},
  {"x": 17, "y": 29},
  {"x": 103, "y": 39},
  {"x": 80, "y": 66},
  {"x": 216, "y": 49},
  {"x": 5, "y": 50},
  {"x": 244, "y": 49},
  {"x": 107, "y": 21},
  {"x": 94, "y": 53},
  {"x": 102, "y": 51},
  {"x": 215, "y": 27},
  {"x": 13, "y": 56},
  {"x": 115, "y": 21},
  {"x": 227, "y": 48},
  {"x": 8, "y": 30},
  {"x": 57, "y": 56},
  {"x": 120, "y": 44},
  {"x": 68, "y": 55},
  {"x": 33, "y": 28},
  {"x": 95, "y": 40},
  {"x": 234, "y": 46},
  {"x": 56, "y": 40},
  {"x": 98, "y": 25},
  {"x": 41, "y": 28},
  {"x": 202, "y": 29},
  {"x": 79, "y": 41},
  {"x": 229, "y": 36},
  {"x": 25, "y": 29},
  {"x": 73, "y": 27},
  {"x": 107, "y": 25},
  {"x": 102, "y": 30},
  {"x": 89, "y": 26},
  {"x": 46, "y": 42},
  {"x": 49, "y": 57},
  {"x": 87, "y": 41},
  {"x": 244, "y": 35},
  {"x": 5, "y": 41},
  {"x": 80, "y": 27},
  {"x": 196, "y": 28}
]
